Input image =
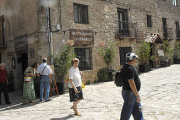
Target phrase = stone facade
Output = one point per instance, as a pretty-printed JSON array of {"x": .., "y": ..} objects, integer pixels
[{"x": 30, "y": 18}]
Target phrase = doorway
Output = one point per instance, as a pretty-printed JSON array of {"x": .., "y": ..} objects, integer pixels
[
  {"x": 24, "y": 61},
  {"x": 151, "y": 54}
]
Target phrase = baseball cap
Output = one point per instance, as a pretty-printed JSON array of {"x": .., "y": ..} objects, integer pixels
[{"x": 131, "y": 56}]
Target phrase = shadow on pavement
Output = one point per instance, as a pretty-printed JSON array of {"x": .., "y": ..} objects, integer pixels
[
  {"x": 63, "y": 118},
  {"x": 16, "y": 101}
]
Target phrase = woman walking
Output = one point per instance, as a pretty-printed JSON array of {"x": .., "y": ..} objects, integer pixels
[
  {"x": 28, "y": 87},
  {"x": 75, "y": 90}
]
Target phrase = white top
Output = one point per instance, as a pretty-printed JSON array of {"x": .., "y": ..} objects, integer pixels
[
  {"x": 75, "y": 75},
  {"x": 47, "y": 70}
]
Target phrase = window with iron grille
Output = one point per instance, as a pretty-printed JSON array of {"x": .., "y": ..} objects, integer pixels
[
  {"x": 83, "y": 54},
  {"x": 81, "y": 14},
  {"x": 123, "y": 51},
  {"x": 175, "y": 2},
  {"x": 2, "y": 31},
  {"x": 123, "y": 21},
  {"x": 149, "y": 21}
]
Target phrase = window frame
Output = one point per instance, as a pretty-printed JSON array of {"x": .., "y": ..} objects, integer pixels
[
  {"x": 2, "y": 30},
  {"x": 123, "y": 21},
  {"x": 125, "y": 50},
  {"x": 175, "y": 3},
  {"x": 80, "y": 59},
  {"x": 79, "y": 14},
  {"x": 149, "y": 20}
]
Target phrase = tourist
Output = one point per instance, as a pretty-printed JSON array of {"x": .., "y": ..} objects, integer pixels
[
  {"x": 4, "y": 83},
  {"x": 28, "y": 86},
  {"x": 75, "y": 90},
  {"x": 131, "y": 88},
  {"x": 44, "y": 72}
]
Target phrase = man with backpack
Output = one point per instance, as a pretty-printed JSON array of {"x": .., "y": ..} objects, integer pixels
[{"x": 131, "y": 88}]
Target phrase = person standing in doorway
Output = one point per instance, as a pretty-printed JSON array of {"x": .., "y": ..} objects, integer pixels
[
  {"x": 75, "y": 90},
  {"x": 4, "y": 83},
  {"x": 28, "y": 86},
  {"x": 44, "y": 72},
  {"x": 131, "y": 88}
]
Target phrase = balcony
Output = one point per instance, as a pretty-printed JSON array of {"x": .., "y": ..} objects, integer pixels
[
  {"x": 168, "y": 34},
  {"x": 178, "y": 34},
  {"x": 127, "y": 30}
]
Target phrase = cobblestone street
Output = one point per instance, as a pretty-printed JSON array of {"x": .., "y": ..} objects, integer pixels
[{"x": 102, "y": 101}]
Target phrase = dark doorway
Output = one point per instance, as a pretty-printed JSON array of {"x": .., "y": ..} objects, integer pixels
[
  {"x": 151, "y": 54},
  {"x": 0, "y": 57},
  {"x": 123, "y": 52},
  {"x": 24, "y": 58}
]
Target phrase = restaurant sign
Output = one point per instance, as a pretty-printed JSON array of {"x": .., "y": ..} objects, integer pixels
[
  {"x": 20, "y": 43},
  {"x": 82, "y": 37}
]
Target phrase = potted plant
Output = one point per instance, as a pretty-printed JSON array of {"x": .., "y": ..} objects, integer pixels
[
  {"x": 144, "y": 56},
  {"x": 176, "y": 53},
  {"x": 168, "y": 51},
  {"x": 108, "y": 55},
  {"x": 62, "y": 63}
]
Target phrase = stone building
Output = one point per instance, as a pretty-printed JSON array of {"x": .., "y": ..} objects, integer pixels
[{"x": 31, "y": 30}]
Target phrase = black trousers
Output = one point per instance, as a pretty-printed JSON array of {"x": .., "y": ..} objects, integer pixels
[{"x": 4, "y": 89}]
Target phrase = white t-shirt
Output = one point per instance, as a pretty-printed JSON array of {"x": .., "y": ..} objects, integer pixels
[
  {"x": 46, "y": 71},
  {"x": 75, "y": 75}
]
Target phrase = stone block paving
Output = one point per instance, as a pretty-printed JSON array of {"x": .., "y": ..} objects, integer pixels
[{"x": 102, "y": 101}]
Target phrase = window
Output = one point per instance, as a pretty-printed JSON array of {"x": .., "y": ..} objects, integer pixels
[
  {"x": 175, "y": 2},
  {"x": 177, "y": 30},
  {"x": 2, "y": 31},
  {"x": 81, "y": 14},
  {"x": 123, "y": 52},
  {"x": 164, "y": 28},
  {"x": 83, "y": 54},
  {"x": 123, "y": 22},
  {"x": 149, "y": 21}
]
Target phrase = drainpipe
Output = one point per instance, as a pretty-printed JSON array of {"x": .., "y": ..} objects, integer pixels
[{"x": 49, "y": 34}]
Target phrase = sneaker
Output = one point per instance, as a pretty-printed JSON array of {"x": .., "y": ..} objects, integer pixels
[{"x": 48, "y": 100}]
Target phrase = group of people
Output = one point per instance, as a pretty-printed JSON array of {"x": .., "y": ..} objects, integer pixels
[
  {"x": 130, "y": 91},
  {"x": 43, "y": 72}
]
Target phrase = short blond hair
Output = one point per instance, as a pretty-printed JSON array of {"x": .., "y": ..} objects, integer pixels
[{"x": 74, "y": 60}]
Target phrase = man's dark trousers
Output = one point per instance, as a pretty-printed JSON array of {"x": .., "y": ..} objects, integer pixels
[{"x": 4, "y": 88}]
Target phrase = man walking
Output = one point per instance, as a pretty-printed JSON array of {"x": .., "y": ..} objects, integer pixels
[
  {"x": 44, "y": 71},
  {"x": 3, "y": 83},
  {"x": 131, "y": 88}
]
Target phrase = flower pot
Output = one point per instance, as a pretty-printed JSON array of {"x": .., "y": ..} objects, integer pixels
[
  {"x": 176, "y": 61},
  {"x": 145, "y": 68},
  {"x": 60, "y": 86}
]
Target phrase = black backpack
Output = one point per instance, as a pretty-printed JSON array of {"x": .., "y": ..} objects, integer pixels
[{"x": 119, "y": 78}]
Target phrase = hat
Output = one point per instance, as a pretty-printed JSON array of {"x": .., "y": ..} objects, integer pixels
[{"x": 131, "y": 56}]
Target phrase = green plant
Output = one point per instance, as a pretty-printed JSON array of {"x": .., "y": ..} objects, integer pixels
[
  {"x": 103, "y": 75},
  {"x": 176, "y": 51},
  {"x": 143, "y": 52},
  {"x": 168, "y": 51},
  {"x": 88, "y": 82},
  {"x": 62, "y": 61},
  {"x": 108, "y": 53}
]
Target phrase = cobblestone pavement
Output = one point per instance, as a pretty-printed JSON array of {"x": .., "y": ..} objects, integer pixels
[{"x": 160, "y": 99}]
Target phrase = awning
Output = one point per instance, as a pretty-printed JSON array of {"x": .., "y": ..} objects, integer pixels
[{"x": 154, "y": 37}]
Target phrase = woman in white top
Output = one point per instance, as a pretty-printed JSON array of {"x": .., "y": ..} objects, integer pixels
[{"x": 75, "y": 90}]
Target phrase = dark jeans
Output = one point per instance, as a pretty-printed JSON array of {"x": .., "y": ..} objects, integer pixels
[
  {"x": 131, "y": 106},
  {"x": 4, "y": 89}
]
